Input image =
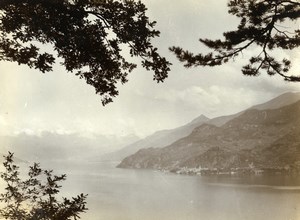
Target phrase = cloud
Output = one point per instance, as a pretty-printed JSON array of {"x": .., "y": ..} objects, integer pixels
[{"x": 60, "y": 102}]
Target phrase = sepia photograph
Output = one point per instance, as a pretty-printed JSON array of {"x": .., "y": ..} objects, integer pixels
[{"x": 150, "y": 109}]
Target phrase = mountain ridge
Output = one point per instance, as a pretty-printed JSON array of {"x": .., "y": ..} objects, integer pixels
[
  {"x": 165, "y": 137},
  {"x": 253, "y": 137},
  {"x": 157, "y": 139}
]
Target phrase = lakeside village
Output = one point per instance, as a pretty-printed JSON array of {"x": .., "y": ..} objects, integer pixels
[{"x": 250, "y": 170}]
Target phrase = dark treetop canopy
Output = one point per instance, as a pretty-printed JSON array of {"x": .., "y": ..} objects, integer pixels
[
  {"x": 262, "y": 23},
  {"x": 86, "y": 34}
]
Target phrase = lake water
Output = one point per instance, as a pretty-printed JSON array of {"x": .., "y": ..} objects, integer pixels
[{"x": 120, "y": 194}]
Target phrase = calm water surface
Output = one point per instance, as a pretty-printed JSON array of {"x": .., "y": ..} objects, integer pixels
[
  {"x": 149, "y": 195},
  {"x": 145, "y": 194}
]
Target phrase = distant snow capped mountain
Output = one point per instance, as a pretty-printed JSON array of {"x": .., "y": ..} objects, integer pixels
[{"x": 54, "y": 146}]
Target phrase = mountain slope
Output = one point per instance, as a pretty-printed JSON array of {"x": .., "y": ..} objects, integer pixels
[
  {"x": 260, "y": 138},
  {"x": 166, "y": 137},
  {"x": 158, "y": 139},
  {"x": 280, "y": 101},
  {"x": 277, "y": 102}
]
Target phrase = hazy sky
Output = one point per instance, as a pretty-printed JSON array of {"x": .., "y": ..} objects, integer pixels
[{"x": 60, "y": 102}]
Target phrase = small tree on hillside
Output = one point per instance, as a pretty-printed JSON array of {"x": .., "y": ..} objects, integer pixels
[
  {"x": 35, "y": 197},
  {"x": 262, "y": 23}
]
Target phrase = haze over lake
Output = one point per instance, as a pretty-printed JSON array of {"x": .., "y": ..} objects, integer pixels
[
  {"x": 57, "y": 120},
  {"x": 262, "y": 182},
  {"x": 145, "y": 194}
]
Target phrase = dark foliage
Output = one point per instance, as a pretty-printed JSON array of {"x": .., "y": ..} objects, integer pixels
[
  {"x": 261, "y": 24},
  {"x": 35, "y": 197},
  {"x": 88, "y": 36}
]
